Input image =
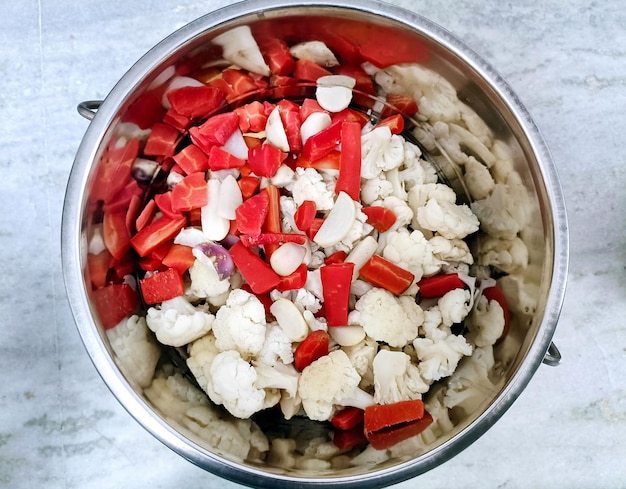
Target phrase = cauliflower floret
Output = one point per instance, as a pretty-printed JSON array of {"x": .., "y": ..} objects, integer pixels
[
  {"x": 205, "y": 282},
  {"x": 455, "y": 306},
  {"x": 385, "y": 318},
  {"x": 505, "y": 212},
  {"x": 415, "y": 170},
  {"x": 419, "y": 195},
  {"x": 449, "y": 220},
  {"x": 376, "y": 188},
  {"x": 478, "y": 179},
  {"x": 309, "y": 185},
  {"x": 287, "y": 210},
  {"x": 451, "y": 251},
  {"x": 233, "y": 385},
  {"x": 277, "y": 347},
  {"x": 277, "y": 376},
  {"x": 240, "y": 324},
  {"x": 486, "y": 322},
  {"x": 433, "y": 327},
  {"x": 177, "y": 322},
  {"x": 174, "y": 395},
  {"x": 506, "y": 255},
  {"x": 439, "y": 359},
  {"x": 328, "y": 382},
  {"x": 201, "y": 354},
  {"x": 396, "y": 378},
  {"x": 135, "y": 348},
  {"x": 380, "y": 151},
  {"x": 362, "y": 356},
  {"x": 411, "y": 251},
  {"x": 457, "y": 142}
]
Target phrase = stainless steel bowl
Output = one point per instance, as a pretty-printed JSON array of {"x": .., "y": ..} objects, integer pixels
[{"x": 480, "y": 87}]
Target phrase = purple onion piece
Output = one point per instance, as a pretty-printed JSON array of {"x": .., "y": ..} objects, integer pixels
[{"x": 219, "y": 256}]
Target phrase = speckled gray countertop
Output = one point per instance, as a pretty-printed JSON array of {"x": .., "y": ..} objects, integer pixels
[{"x": 59, "y": 425}]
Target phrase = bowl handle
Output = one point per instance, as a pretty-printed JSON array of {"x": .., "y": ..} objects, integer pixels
[
  {"x": 89, "y": 108},
  {"x": 553, "y": 356}
]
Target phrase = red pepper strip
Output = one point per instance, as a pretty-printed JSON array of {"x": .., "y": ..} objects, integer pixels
[
  {"x": 273, "y": 222},
  {"x": 394, "y": 122},
  {"x": 337, "y": 257},
  {"x": 331, "y": 161},
  {"x": 134, "y": 209},
  {"x": 190, "y": 193},
  {"x": 348, "y": 439},
  {"x": 295, "y": 280},
  {"x": 196, "y": 102},
  {"x": 349, "y": 179},
  {"x": 350, "y": 115},
  {"x": 494, "y": 293},
  {"x": 240, "y": 83},
  {"x": 380, "y": 217},
  {"x": 114, "y": 303},
  {"x": 383, "y": 416},
  {"x": 264, "y": 160},
  {"x": 308, "y": 70},
  {"x": 388, "y": 437},
  {"x": 439, "y": 285},
  {"x": 162, "y": 286},
  {"x": 251, "y": 214},
  {"x": 164, "y": 203},
  {"x": 248, "y": 186},
  {"x": 116, "y": 233},
  {"x": 162, "y": 141},
  {"x": 387, "y": 275},
  {"x": 179, "y": 257},
  {"x": 304, "y": 215},
  {"x": 156, "y": 233},
  {"x": 265, "y": 239},
  {"x": 348, "y": 418},
  {"x": 322, "y": 143},
  {"x": 192, "y": 159},
  {"x": 336, "y": 279},
  {"x": 254, "y": 270},
  {"x": 313, "y": 347},
  {"x": 223, "y": 160}
]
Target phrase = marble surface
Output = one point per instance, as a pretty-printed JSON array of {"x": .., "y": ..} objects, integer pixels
[{"x": 59, "y": 425}]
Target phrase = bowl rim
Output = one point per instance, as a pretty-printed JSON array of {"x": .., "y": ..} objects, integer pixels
[{"x": 73, "y": 248}]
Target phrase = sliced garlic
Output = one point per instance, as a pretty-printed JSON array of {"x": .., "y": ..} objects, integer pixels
[
  {"x": 347, "y": 335},
  {"x": 239, "y": 47},
  {"x": 275, "y": 131},
  {"x": 214, "y": 226},
  {"x": 334, "y": 92},
  {"x": 338, "y": 223},
  {"x": 290, "y": 319},
  {"x": 229, "y": 198},
  {"x": 287, "y": 258},
  {"x": 313, "y": 124}
]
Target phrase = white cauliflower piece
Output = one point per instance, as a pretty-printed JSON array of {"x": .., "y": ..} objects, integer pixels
[
  {"x": 240, "y": 324},
  {"x": 420, "y": 194},
  {"x": 455, "y": 306},
  {"x": 362, "y": 356},
  {"x": 176, "y": 322},
  {"x": 380, "y": 151},
  {"x": 415, "y": 170},
  {"x": 385, "y": 318},
  {"x": 506, "y": 255},
  {"x": 396, "y": 378},
  {"x": 329, "y": 382},
  {"x": 201, "y": 354},
  {"x": 411, "y": 251},
  {"x": 205, "y": 282},
  {"x": 451, "y": 251},
  {"x": 433, "y": 327},
  {"x": 486, "y": 322},
  {"x": 373, "y": 189},
  {"x": 309, "y": 185},
  {"x": 135, "y": 349},
  {"x": 449, "y": 220},
  {"x": 288, "y": 208},
  {"x": 276, "y": 347},
  {"x": 277, "y": 376},
  {"x": 439, "y": 359},
  {"x": 457, "y": 142},
  {"x": 505, "y": 212},
  {"x": 477, "y": 179},
  {"x": 233, "y": 385}
]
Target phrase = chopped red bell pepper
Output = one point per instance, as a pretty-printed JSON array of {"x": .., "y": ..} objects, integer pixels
[
  {"x": 192, "y": 159},
  {"x": 385, "y": 274},
  {"x": 389, "y": 437},
  {"x": 290, "y": 117},
  {"x": 251, "y": 214},
  {"x": 308, "y": 107},
  {"x": 383, "y": 416},
  {"x": 114, "y": 303},
  {"x": 146, "y": 215},
  {"x": 162, "y": 141},
  {"x": 304, "y": 215},
  {"x": 196, "y": 102},
  {"x": 265, "y": 239},
  {"x": 264, "y": 160},
  {"x": 273, "y": 221},
  {"x": 176, "y": 120},
  {"x": 336, "y": 257},
  {"x": 162, "y": 286},
  {"x": 336, "y": 279},
  {"x": 402, "y": 104},
  {"x": 145, "y": 111},
  {"x": 314, "y": 346},
  {"x": 307, "y": 70},
  {"x": 380, "y": 217},
  {"x": 348, "y": 418},
  {"x": 350, "y": 115},
  {"x": 223, "y": 160},
  {"x": 277, "y": 56},
  {"x": 295, "y": 280},
  {"x": 215, "y": 131},
  {"x": 164, "y": 203},
  {"x": 239, "y": 82},
  {"x": 314, "y": 228},
  {"x": 349, "y": 179},
  {"x": 256, "y": 272},
  {"x": 116, "y": 233},
  {"x": 190, "y": 193},
  {"x": 248, "y": 186},
  {"x": 439, "y": 285},
  {"x": 122, "y": 199},
  {"x": 323, "y": 142},
  {"x": 331, "y": 161},
  {"x": 156, "y": 233},
  {"x": 394, "y": 122},
  {"x": 252, "y": 117},
  {"x": 180, "y": 257}
]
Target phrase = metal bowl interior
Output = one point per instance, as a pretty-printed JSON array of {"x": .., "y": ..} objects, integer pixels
[{"x": 478, "y": 86}]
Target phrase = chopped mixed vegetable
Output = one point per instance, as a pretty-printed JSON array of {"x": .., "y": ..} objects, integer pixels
[{"x": 305, "y": 257}]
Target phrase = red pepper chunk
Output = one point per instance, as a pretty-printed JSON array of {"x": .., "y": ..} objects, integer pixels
[
  {"x": 156, "y": 233},
  {"x": 250, "y": 215},
  {"x": 113, "y": 303},
  {"x": 179, "y": 257},
  {"x": 116, "y": 233},
  {"x": 439, "y": 285},
  {"x": 336, "y": 279},
  {"x": 380, "y": 217},
  {"x": 273, "y": 222},
  {"x": 196, "y": 102},
  {"x": 394, "y": 122},
  {"x": 295, "y": 280},
  {"x": 387, "y": 275},
  {"x": 192, "y": 159},
  {"x": 348, "y": 418},
  {"x": 348, "y": 439},
  {"x": 162, "y": 286},
  {"x": 162, "y": 141},
  {"x": 313, "y": 347},
  {"x": 223, "y": 160},
  {"x": 190, "y": 193},
  {"x": 264, "y": 160},
  {"x": 349, "y": 180},
  {"x": 256, "y": 272},
  {"x": 304, "y": 215},
  {"x": 322, "y": 143}
]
